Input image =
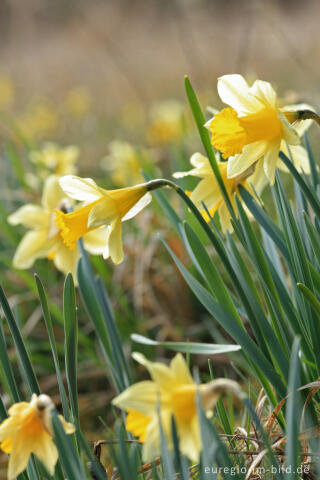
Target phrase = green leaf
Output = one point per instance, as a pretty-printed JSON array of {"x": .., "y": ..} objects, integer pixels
[
  {"x": 71, "y": 344},
  {"x": 293, "y": 412},
  {"x": 7, "y": 368},
  {"x": 188, "y": 347},
  {"x": 48, "y": 322},
  {"x": 20, "y": 346}
]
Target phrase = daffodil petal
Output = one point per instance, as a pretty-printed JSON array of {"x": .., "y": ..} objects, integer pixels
[
  {"x": 66, "y": 260},
  {"x": 33, "y": 245},
  {"x": 189, "y": 438},
  {"x": 258, "y": 179},
  {"x": 207, "y": 191},
  {"x": 270, "y": 161},
  {"x": 234, "y": 91},
  {"x": 142, "y": 396},
  {"x": 52, "y": 193},
  {"x": 299, "y": 156},
  {"x": 250, "y": 154},
  {"x": 31, "y": 216},
  {"x": 159, "y": 372},
  {"x": 115, "y": 242},
  {"x": 83, "y": 189},
  {"x": 18, "y": 459},
  {"x": 46, "y": 451},
  {"x": 264, "y": 92},
  {"x": 180, "y": 369},
  {"x": 95, "y": 241},
  {"x": 140, "y": 205}
]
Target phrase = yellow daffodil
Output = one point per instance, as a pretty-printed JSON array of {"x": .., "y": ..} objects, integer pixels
[
  {"x": 28, "y": 431},
  {"x": 123, "y": 163},
  {"x": 58, "y": 160},
  {"x": 173, "y": 390},
  {"x": 166, "y": 122},
  {"x": 44, "y": 238},
  {"x": 253, "y": 127},
  {"x": 208, "y": 191},
  {"x": 6, "y": 92},
  {"x": 104, "y": 207}
]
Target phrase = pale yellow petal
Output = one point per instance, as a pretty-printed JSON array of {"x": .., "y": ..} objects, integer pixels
[
  {"x": 270, "y": 161},
  {"x": 202, "y": 167},
  {"x": 234, "y": 91},
  {"x": 31, "y": 216},
  {"x": 96, "y": 240},
  {"x": 83, "y": 189},
  {"x": 299, "y": 156},
  {"x": 264, "y": 92},
  {"x": 152, "y": 445},
  {"x": 66, "y": 260},
  {"x": 258, "y": 179},
  {"x": 140, "y": 205},
  {"x": 19, "y": 458},
  {"x": 160, "y": 373},
  {"x": 207, "y": 191},
  {"x": 68, "y": 427},
  {"x": 33, "y": 245},
  {"x": 141, "y": 396},
  {"x": 225, "y": 217},
  {"x": 189, "y": 438},
  {"x": 46, "y": 451},
  {"x": 115, "y": 242},
  {"x": 180, "y": 370},
  {"x": 52, "y": 193},
  {"x": 250, "y": 154}
]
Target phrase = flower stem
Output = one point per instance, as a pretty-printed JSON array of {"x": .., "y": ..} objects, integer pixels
[{"x": 308, "y": 115}]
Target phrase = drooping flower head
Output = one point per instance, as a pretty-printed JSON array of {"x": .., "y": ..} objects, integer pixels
[
  {"x": 44, "y": 238},
  {"x": 103, "y": 207},
  {"x": 56, "y": 159},
  {"x": 173, "y": 390},
  {"x": 253, "y": 127},
  {"x": 27, "y": 431},
  {"x": 208, "y": 191}
]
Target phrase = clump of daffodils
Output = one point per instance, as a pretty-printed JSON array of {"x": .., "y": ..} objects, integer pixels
[
  {"x": 44, "y": 239},
  {"x": 78, "y": 101},
  {"x": 253, "y": 129},
  {"x": 171, "y": 392},
  {"x": 27, "y": 431}
]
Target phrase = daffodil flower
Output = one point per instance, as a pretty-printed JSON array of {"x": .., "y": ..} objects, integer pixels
[
  {"x": 173, "y": 390},
  {"x": 28, "y": 431},
  {"x": 58, "y": 160},
  {"x": 253, "y": 127},
  {"x": 44, "y": 238},
  {"x": 104, "y": 207},
  {"x": 208, "y": 191}
]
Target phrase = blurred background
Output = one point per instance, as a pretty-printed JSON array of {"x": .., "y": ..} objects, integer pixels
[{"x": 107, "y": 77}]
